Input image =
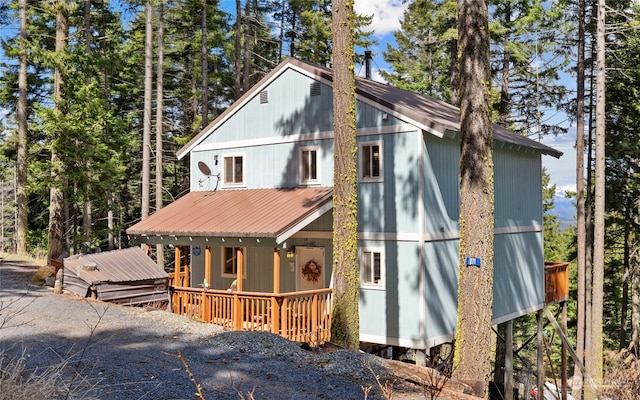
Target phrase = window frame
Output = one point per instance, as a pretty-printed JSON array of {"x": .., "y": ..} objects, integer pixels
[
  {"x": 223, "y": 262},
  {"x": 310, "y": 181},
  {"x": 233, "y": 156},
  {"x": 370, "y": 252},
  {"x": 361, "y": 168}
]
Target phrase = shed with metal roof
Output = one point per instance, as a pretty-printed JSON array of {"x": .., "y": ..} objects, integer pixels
[{"x": 127, "y": 276}]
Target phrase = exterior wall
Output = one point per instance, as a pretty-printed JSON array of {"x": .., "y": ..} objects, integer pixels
[
  {"x": 519, "y": 259},
  {"x": 412, "y": 215}
]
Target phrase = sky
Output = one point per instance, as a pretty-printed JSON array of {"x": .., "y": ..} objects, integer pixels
[{"x": 386, "y": 19}]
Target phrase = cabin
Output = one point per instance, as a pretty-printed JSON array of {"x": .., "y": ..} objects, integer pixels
[{"x": 253, "y": 238}]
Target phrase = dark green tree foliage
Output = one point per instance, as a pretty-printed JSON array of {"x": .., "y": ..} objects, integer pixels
[
  {"x": 623, "y": 173},
  {"x": 306, "y": 29},
  {"x": 528, "y": 53},
  {"x": 421, "y": 59}
]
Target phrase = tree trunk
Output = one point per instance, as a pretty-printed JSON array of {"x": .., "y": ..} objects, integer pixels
[
  {"x": 246, "y": 54},
  {"x": 159, "y": 121},
  {"x": 635, "y": 301},
  {"x": 204, "y": 53},
  {"x": 505, "y": 98},
  {"x": 475, "y": 293},
  {"x": 21, "y": 168},
  {"x": 454, "y": 72},
  {"x": 595, "y": 370},
  {"x": 345, "y": 326},
  {"x": 56, "y": 198},
  {"x": 580, "y": 212},
  {"x": 238, "y": 52},
  {"x": 146, "y": 118},
  {"x": 87, "y": 217}
]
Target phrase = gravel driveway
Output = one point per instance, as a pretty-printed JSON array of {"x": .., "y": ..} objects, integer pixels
[{"x": 115, "y": 352}]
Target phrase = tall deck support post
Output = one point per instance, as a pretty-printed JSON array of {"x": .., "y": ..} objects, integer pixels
[
  {"x": 237, "y": 306},
  {"x": 275, "y": 307},
  {"x": 176, "y": 264},
  {"x": 563, "y": 350},
  {"x": 540, "y": 356},
  {"x": 508, "y": 360}
]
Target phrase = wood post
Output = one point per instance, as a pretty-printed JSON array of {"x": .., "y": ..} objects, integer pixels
[
  {"x": 237, "y": 304},
  {"x": 275, "y": 307},
  {"x": 177, "y": 265},
  {"x": 187, "y": 274},
  {"x": 540, "y": 355},
  {"x": 207, "y": 266},
  {"x": 508, "y": 360}
]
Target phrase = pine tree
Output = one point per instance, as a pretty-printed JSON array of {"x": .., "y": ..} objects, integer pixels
[{"x": 475, "y": 285}]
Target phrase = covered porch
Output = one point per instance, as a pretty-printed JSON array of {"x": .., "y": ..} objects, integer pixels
[{"x": 209, "y": 221}]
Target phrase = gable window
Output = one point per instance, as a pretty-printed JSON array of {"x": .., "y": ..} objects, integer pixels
[
  {"x": 234, "y": 169},
  {"x": 308, "y": 165},
  {"x": 371, "y": 161},
  {"x": 372, "y": 268},
  {"x": 230, "y": 262}
]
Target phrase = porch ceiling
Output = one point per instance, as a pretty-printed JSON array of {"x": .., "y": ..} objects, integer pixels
[{"x": 272, "y": 214}]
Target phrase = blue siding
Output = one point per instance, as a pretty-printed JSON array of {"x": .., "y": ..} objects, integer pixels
[
  {"x": 394, "y": 312},
  {"x": 518, "y": 188},
  {"x": 441, "y": 286},
  {"x": 441, "y": 184},
  {"x": 518, "y": 274},
  {"x": 391, "y": 206}
]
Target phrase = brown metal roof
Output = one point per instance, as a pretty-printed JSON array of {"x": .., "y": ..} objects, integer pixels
[
  {"x": 239, "y": 213},
  {"x": 428, "y": 113},
  {"x": 126, "y": 265}
]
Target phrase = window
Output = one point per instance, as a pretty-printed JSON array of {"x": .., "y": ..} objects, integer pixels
[
  {"x": 308, "y": 165},
  {"x": 230, "y": 262},
  {"x": 233, "y": 170},
  {"x": 372, "y": 268},
  {"x": 371, "y": 161}
]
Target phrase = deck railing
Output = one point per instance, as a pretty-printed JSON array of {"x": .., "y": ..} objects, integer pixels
[
  {"x": 556, "y": 282},
  {"x": 297, "y": 316},
  {"x": 180, "y": 280}
]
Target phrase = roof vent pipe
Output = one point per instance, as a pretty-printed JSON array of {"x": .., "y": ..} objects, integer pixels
[{"x": 367, "y": 64}]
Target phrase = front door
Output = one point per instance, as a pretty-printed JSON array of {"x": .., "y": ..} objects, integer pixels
[{"x": 310, "y": 267}]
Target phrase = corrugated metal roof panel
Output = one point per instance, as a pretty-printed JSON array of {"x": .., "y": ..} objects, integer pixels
[
  {"x": 265, "y": 213},
  {"x": 124, "y": 265}
]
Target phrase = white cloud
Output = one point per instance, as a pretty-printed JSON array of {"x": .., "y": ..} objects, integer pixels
[{"x": 386, "y": 14}]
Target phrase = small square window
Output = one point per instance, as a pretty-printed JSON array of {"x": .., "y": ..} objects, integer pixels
[
  {"x": 372, "y": 268},
  {"x": 230, "y": 262},
  {"x": 308, "y": 165},
  {"x": 371, "y": 162},
  {"x": 233, "y": 170}
]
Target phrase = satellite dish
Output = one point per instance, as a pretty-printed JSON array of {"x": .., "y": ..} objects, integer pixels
[{"x": 204, "y": 168}]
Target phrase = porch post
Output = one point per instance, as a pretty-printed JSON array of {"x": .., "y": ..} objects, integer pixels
[
  {"x": 276, "y": 271},
  {"x": 275, "y": 307},
  {"x": 237, "y": 306},
  {"x": 240, "y": 260},
  {"x": 176, "y": 263},
  {"x": 207, "y": 267},
  {"x": 186, "y": 272}
]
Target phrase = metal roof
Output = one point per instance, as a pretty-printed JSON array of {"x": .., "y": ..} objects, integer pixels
[
  {"x": 434, "y": 116},
  {"x": 239, "y": 213},
  {"x": 126, "y": 265}
]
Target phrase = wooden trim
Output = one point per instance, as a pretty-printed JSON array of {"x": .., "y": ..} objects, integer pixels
[{"x": 207, "y": 266}]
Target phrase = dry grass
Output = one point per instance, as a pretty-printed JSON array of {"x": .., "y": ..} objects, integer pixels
[
  {"x": 622, "y": 377},
  {"x": 42, "y": 273}
]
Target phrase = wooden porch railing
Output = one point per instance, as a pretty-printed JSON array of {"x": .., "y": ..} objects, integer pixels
[
  {"x": 298, "y": 316},
  {"x": 181, "y": 279}
]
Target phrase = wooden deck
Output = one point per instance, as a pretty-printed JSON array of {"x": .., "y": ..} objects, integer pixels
[{"x": 298, "y": 316}]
